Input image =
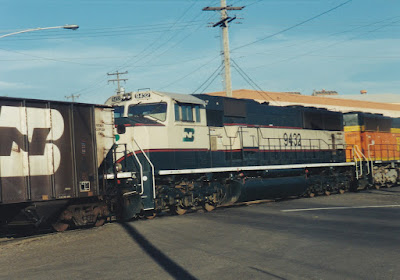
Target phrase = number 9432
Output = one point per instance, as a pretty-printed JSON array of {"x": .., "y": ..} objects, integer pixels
[{"x": 293, "y": 139}]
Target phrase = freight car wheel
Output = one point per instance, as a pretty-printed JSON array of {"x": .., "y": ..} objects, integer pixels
[
  {"x": 209, "y": 207},
  {"x": 60, "y": 227},
  {"x": 311, "y": 194},
  {"x": 327, "y": 193},
  {"x": 377, "y": 187},
  {"x": 342, "y": 191}
]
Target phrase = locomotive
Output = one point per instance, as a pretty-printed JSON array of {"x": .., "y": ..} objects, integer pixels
[
  {"x": 376, "y": 146},
  {"x": 179, "y": 152},
  {"x": 147, "y": 152}
]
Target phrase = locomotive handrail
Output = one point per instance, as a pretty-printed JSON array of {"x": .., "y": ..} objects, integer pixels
[
  {"x": 152, "y": 169},
  {"x": 391, "y": 150},
  {"x": 369, "y": 156},
  {"x": 141, "y": 172},
  {"x": 355, "y": 161},
  {"x": 303, "y": 139},
  {"x": 363, "y": 156},
  {"x": 355, "y": 153},
  {"x": 125, "y": 152}
]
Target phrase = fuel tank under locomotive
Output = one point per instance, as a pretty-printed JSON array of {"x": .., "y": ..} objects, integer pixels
[
  {"x": 272, "y": 188},
  {"x": 280, "y": 184}
]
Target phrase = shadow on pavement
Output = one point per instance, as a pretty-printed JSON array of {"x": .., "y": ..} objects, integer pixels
[
  {"x": 267, "y": 273},
  {"x": 159, "y": 257}
]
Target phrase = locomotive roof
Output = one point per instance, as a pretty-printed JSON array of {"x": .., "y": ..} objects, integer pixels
[
  {"x": 183, "y": 98},
  {"x": 180, "y": 98},
  {"x": 337, "y": 104}
]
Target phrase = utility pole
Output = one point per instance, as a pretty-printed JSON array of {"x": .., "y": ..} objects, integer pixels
[
  {"x": 223, "y": 23},
  {"x": 118, "y": 79},
  {"x": 72, "y": 97}
]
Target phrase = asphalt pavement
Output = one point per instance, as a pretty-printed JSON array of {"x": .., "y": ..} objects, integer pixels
[{"x": 349, "y": 236}]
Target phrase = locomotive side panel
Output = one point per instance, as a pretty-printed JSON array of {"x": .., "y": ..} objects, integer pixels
[
  {"x": 381, "y": 146},
  {"x": 238, "y": 145}
]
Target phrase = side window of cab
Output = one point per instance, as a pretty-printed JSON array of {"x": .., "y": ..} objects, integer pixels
[{"x": 187, "y": 112}]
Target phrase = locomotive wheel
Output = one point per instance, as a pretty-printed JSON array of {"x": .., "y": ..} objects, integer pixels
[
  {"x": 209, "y": 207},
  {"x": 377, "y": 187},
  {"x": 99, "y": 222},
  {"x": 150, "y": 216},
  {"x": 327, "y": 193},
  {"x": 60, "y": 227},
  {"x": 179, "y": 210}
]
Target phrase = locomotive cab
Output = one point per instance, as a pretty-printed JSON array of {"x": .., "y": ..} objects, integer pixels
[
  {"x": 170, "y": 128},
  {"x": 166, "y": 129}
]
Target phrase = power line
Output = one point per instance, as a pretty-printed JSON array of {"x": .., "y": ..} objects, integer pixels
[
  {"x": 152, "y": 52},
  {"x": 128, "y": 62},
  {"x": 251, "y": 82},
  {"x": 51, "y": 59},
  {"x": 331, "y": 45},
  {"x": 255, "y": 2},
  {"x": 148, "y": 49},
  {"x": 190, "y": 73},
  {"x": 108, "y": 34},
  {"x": 209, "y": 84},
  {"x": 330, "y": 35},
  {"x": 216, "y": 70},
  {"x": 293, "y": 26},
  {"x": 184, "y": 38}
]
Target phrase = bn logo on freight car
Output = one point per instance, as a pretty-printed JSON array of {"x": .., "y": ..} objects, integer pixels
[{"x": 27, "y": 138}]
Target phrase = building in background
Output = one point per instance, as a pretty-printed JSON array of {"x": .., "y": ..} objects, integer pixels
[
  {"x": 388, "y": 105},
  {"x": 324, "y": 93}
]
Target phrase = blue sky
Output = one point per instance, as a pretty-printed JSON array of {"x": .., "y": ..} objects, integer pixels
[{"x": 168, "y": 45}]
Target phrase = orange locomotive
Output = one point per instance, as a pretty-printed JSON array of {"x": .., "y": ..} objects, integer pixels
[{"x": 373, "y": 142}]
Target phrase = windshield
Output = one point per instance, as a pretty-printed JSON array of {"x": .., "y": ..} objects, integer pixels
[
  {"x": 154, "y": 110},
  {"x": 118, "y": 112}
]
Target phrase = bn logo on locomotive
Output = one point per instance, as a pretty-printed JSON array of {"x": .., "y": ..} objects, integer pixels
[
  {"x": 188, "y": 135},
  {"x": 27, "y": 138}
]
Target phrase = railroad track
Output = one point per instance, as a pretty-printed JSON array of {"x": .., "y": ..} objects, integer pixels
[
  {"x": 15, "y": 239},
  {"x": 31, "y": 234}
]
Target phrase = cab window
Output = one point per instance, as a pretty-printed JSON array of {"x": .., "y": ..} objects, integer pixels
[
  {"x": 118, "y": 112},
  {"x": 187, "y": 112},
  {"x": 154, "y": 110}
]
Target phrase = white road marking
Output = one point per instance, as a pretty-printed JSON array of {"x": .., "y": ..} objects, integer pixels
[{"x": 340, "y": 208}]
